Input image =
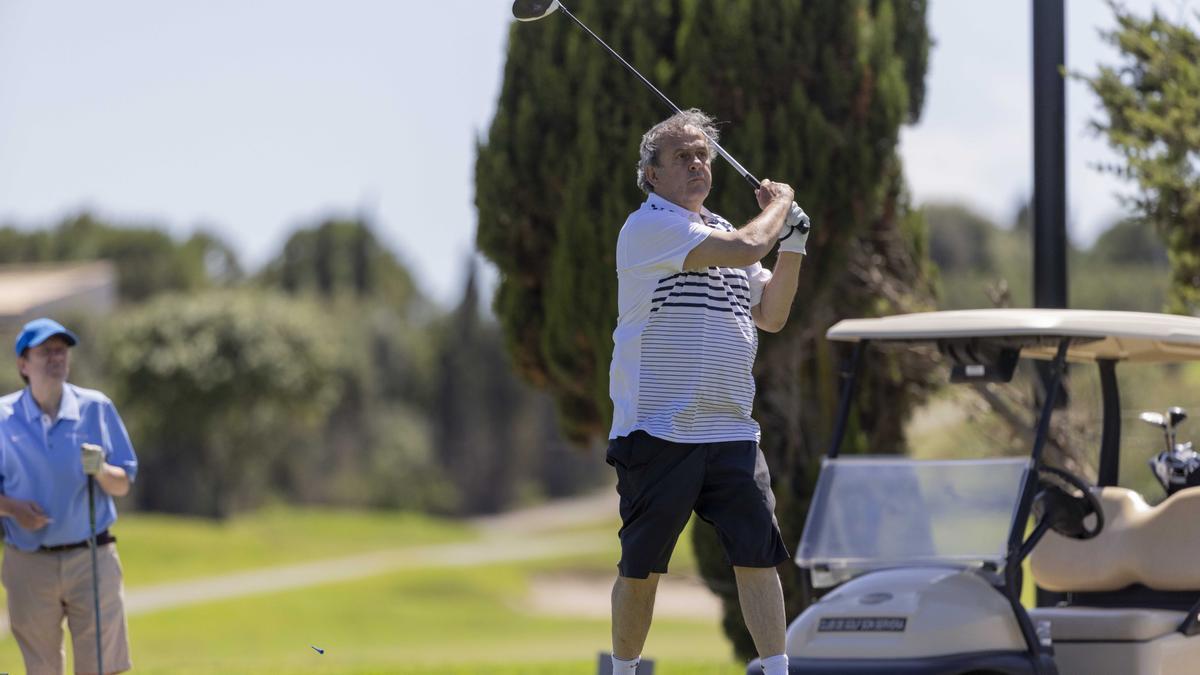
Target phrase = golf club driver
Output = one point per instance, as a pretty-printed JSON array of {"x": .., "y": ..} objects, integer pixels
[
  {"x": 532, "y": 10},
  {"x": 1157, "y": 419},
  {"x": 91, "y": 488}
]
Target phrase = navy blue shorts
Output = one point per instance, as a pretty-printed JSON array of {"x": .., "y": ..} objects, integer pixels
[{"x": 660, "y": 483}]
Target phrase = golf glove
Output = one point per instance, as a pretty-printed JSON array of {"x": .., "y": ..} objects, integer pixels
[
  {"x": 92, "y": 457},
  {"x": 794, "y": 235}
]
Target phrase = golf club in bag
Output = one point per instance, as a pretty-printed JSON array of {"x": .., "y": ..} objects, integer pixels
[
  {"x": 91, "y": 489},
  {"x": 532, "y": 10},
  {"x": 1178, "y": 466}
]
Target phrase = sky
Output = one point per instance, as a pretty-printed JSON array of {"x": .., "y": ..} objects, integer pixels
[{"x": 252, "y": 119}]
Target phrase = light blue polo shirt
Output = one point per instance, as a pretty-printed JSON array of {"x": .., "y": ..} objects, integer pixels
[{"x": 43, "y": 465}]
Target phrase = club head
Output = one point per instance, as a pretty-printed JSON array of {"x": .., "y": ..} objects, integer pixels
[
  {"x": 1176, "y": 415},
  {"x": 532, "y": 10},
  {"x": 1154, "y": 418}
]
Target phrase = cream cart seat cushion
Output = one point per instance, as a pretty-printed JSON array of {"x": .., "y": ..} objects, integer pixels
[{"x": 1156, "y": 546}]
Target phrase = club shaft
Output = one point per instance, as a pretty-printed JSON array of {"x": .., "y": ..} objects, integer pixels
[
  {"x": 754, "y": 182},
  {"x": 91, "y": 484}
]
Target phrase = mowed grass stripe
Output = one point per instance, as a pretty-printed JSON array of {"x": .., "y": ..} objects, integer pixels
[
  {"x": 159, "y": 548},
  {"x": 146, "y": 599}
]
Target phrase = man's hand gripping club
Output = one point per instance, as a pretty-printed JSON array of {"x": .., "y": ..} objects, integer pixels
[
  {"x": 794, "y": 235},
  {"x": 92, "y": 458}
]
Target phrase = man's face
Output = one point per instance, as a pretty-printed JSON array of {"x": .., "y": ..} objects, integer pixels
[
  {"x": 683, "y": 171},
  {"x": 47, "y": 363}
]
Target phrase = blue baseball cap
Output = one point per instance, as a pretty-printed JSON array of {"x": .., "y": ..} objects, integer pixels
[{"x": 39, "y": 330}]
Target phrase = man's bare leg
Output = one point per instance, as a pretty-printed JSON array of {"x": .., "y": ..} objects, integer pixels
[
  {"x": 632, "y": 609},
  {"x": 761, "y": 597}
]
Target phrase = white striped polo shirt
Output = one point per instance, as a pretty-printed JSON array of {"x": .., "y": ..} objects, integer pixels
[{"x": 685, "y": 342}]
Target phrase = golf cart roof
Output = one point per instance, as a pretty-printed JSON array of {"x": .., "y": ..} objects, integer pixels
[{"x": 1119, "y": 336}]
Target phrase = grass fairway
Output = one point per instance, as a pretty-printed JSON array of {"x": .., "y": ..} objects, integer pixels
[
  {"x": 420, "y": 621},
  {"x": 159, "y": 548},
  {"x": 425, "y": 621}
]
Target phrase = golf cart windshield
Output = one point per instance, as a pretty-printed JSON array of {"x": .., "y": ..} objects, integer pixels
[{"x": 872, "y": 512}]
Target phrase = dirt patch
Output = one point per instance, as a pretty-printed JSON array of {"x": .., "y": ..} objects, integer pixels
[{"x": 588, "y": 596}]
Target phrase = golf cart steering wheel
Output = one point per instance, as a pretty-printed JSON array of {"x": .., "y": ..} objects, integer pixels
[{"x": 1066, "y": 511}]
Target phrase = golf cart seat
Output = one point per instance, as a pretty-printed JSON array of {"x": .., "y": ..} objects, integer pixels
[
  {"x": 1152, "y": 546},
  {"x": 1143, "y": 553}
]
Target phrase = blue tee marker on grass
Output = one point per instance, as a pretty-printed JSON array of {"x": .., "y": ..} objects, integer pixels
[{"x": 317, "y": 649}]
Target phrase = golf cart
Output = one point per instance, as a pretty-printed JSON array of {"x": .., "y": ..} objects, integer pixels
[{"x": 921, "y": 560}]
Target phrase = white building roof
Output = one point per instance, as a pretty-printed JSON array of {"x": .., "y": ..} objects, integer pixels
[{"x": 26, "y": 290}]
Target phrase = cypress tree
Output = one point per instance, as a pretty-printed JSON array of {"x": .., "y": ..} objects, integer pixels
[
  {"x": 1151, "y": 118},
  {"x": 814, "y": 93}
]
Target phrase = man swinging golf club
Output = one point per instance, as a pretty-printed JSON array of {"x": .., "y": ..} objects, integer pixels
[
  {"x": 691, "y": 296},
  {"x": 64, "y": 453}
]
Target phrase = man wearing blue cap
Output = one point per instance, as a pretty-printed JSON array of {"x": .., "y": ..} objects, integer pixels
[{"x": 44, "y": 470}]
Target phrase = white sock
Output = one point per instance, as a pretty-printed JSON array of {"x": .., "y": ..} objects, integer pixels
[
  {"x": 775, "y": 665},
  {"x": 623, "y": 667}
]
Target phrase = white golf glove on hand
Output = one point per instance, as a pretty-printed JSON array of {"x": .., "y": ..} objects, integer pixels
[
  {"x": 791, "y": 238},
  {"x": 92, "y": 457}
]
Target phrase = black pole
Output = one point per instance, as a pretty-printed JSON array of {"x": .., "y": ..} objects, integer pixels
[
  {"x": 1049, "y": 156},
  {"x": 1110, "y": 441},
  {"x": 850, "y": 368}
]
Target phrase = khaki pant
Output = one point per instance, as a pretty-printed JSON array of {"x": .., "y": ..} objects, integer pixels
[{"x": 43, "y": 588}]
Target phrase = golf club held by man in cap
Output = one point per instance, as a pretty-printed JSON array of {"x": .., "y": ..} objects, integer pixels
[{"x": 64, "y": 454}]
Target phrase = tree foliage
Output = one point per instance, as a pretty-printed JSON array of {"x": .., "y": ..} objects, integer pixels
[
  {"x": 430, "y": 415},
  {"x": 494, "y": 435},
  {"x": 328, "y": 378},
  {"x": 376, "y": 442},
  {"x": 341, "y": 258},
  {"x": 1151, "y": 105},
  {"x": 217, "y": 389},
  {"x": 959, "y": 238},
  {"x": 148, "y": 261},
  {"x": 1130, "y": 241},
  {"x": 814, "y": 93}
]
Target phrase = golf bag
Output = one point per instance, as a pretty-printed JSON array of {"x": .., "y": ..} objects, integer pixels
[{"x": 1177, "y": 468}]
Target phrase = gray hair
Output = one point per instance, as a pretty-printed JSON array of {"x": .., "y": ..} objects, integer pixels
[{"x": 672, "y": 126}]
